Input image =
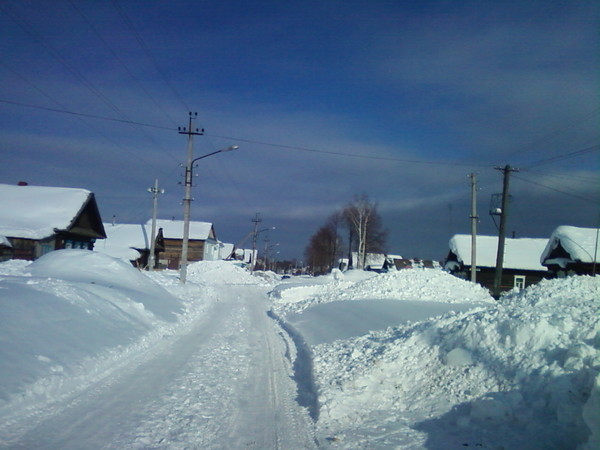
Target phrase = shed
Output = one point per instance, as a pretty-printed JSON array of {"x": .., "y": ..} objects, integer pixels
[
  {"x": 521, "y": 266},
  {"x": 37, "y": 219},
  {"x": 572, "y": 251}
]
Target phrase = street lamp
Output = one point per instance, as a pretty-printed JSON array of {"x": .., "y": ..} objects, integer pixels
[{"x": 186, "y": 209}]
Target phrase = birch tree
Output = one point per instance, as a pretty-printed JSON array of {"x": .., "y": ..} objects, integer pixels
[{"x": 365, "y": 225}]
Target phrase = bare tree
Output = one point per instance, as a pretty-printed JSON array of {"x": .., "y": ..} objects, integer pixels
[
  {"x": 366, "y": 229},
  {"x": 325, "y": 246}
]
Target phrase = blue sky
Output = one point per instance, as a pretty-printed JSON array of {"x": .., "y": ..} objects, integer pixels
[{"x": 326, "y": 99}]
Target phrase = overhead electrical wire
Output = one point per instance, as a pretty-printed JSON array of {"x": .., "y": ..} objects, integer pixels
[
  {"x": 269, "y": 144},
  {"x": 533, "y": 145},
  {"x": 565, "y": 176},
  {"x": 29, "y": 29},
  {"x": 557, "y": 190},
  {"x": 351, "y": 155},
  {"x": 120, "y": 61},
  {"x": 593, "y": 148},
  {"x": 78, "y": 116},
  {"x": 81, "y": 114},
  {"x": 129, "y": 23}
]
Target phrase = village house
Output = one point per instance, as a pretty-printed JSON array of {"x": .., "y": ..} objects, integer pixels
[
  {"x": 202, "y": 244},
  {"x": 521, "y": 266},
  {"x": 572, "y": 251},
  {"x": 5, "y": 249},
  {"x": 35, "y": 220},
  {"x": 131, "y": 242}
]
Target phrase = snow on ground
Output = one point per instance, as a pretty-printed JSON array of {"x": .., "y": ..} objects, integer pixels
[
  {"x": 521, "y": 373},
  {"x": 418, "y": 284},
  {"x": 74, "y": 317},
  {"x": 409, "y": 359}
]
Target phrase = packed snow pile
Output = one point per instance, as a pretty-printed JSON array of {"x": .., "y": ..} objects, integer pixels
[
  {"x": 410, "y": 284},
  {"x": 519, "y": 374},
  {"x": 221, "y": 272},
  {"x": 70, "y": 317},
  {"x": 87, "y": 268}
]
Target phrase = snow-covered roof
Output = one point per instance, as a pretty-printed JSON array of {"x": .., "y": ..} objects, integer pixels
[
  {"x": 122, "y": 240},
  {"x": 173, "y": 229},
  {"x": 4, "y": 241},
  {"x": 522, "y": 253},
  {"x": 34, "y": 212},
  {"x": 582, "y": 244}
]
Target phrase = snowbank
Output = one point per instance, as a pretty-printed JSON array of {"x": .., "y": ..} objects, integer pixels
[
  {"x": 72, "y": 316},
  {"x": 410, "y": 284},
  {"x": 514, "y": 375}
]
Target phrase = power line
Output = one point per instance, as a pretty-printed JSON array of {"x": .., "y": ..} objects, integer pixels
[
  {"x": 565, "y": 176},
  {"x": 593, "y": 148},
  {"x": 78, "y": 116},
  {"x": 269, "y": 144},
  {"x": 350, "y": 155},
  {"x": 29, "y": 29},
  {"x": 149, "y": 54},
  {"x": 75, "y": 113},
  {"x": 558, "y": 190},
  {"x": 531, "y": 146},
  {"x": 120, "y": 61}
]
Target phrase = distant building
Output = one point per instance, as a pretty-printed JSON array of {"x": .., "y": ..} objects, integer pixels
[
  {"x": 572, "y": 251},
  {"x": 202, "y": 244},
  {"x": 521, "y": 266},
  {"x": 375, "y": 262},
  {"x": 36, "y": 220},
  {"x": 5, "y": 249}
]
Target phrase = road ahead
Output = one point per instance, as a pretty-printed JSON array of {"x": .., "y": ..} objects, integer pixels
[{"x": 224, "y": 384}]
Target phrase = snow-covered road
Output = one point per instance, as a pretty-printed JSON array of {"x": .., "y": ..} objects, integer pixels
[{"x": 225, "y": 382}]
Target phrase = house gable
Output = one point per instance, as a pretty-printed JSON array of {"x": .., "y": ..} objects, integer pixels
[{"x": 88, "y": 222}]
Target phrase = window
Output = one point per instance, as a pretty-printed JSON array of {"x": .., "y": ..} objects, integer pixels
[{"x": 520, "y": 281}]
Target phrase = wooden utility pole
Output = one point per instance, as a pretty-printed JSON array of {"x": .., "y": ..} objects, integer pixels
[
  {"x": 154, "y": 191},
  {"x": 506, "y": 170},
  {"x": 256, "y": 221},
  {"x": 474, "y": 219}
]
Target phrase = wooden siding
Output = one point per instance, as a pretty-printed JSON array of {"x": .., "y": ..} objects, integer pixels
[
  {"x": 486, "y": 275},
  {"x": 172, "y": 252}
]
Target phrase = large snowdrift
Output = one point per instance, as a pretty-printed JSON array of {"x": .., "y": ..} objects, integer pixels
[
  {"x": 515, "y": 375},
  {"x": 415, "y": 284},
  {"x": 68, "y": 318}
]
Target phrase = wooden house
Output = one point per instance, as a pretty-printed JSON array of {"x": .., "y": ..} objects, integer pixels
[
  {"x": 36, "y": 220},
  {"x": 572, "y": 251},
  {"x": 5, "y": 249},
  {"x": 521, "y": 266},
  {"x": 132, "y": 242},
  {"x": 202, "y": 243}
]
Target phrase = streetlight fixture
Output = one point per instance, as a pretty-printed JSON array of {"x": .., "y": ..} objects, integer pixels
[{"x": 186, "y": 209}]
